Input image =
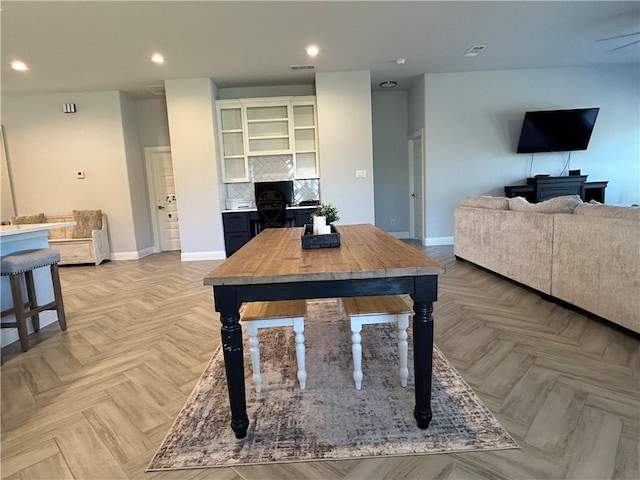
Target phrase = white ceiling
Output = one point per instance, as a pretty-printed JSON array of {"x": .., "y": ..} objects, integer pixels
[{"x": 87, "y": 46}]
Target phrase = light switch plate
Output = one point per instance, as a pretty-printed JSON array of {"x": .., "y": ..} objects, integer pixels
[
  {"x": 79, "y": 174},
  {"x": 361, "y": 174}
]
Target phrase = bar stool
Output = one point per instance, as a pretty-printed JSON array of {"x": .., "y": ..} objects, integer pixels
[{"x": 17, "y": 264}]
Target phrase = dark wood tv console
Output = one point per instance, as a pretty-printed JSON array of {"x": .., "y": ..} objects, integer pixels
[{"x": 542, "y": 188}]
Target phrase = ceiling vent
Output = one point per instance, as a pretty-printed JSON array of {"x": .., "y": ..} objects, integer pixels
[
  {"x": 475, "y": 50},
  {"x": 157, "y": 90},
  {"x": 302, "y": 67}
]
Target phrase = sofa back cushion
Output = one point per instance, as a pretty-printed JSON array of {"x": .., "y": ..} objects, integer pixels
[
  {"x": 86, "y": 222},
  {"x": 485, "y": 201},
  {"x": 563, "y": 204},
  {"x": 28, "y": 219},
  {"x": 609, "y": 211}
]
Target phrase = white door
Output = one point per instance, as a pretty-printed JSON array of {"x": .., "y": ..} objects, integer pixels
[
  {"x": 416, "y": 186},
  {"x": 163, "y": 199}
]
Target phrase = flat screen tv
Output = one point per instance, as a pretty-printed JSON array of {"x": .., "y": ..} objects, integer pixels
[
  {"x": 284, "y": 187},
  {"x": 557, "y": 130}
]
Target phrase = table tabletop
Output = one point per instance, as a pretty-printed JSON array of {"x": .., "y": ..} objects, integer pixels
[{"x": 276, "y": 256}]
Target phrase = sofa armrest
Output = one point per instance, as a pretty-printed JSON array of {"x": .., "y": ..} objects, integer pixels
[
  {"x": 517, "y": 245},
  {"x": 101, "y": 247}
]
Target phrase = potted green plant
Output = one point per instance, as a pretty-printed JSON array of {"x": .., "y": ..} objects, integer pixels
[{"x": 328, "y": 211}]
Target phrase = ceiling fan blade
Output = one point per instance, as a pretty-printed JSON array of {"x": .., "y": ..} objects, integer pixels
[
  {"x": 623, "y": 46},
  {"x": 618, "y": 36}
]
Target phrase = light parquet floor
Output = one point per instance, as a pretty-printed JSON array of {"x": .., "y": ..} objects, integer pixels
[{"x": 97, "y": 400}]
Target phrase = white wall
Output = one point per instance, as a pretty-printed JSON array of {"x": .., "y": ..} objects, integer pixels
[
  {"x": 136, "y": 175},
  {"x": 345, "y": 144},
  {"x": 46, "y": 147},
  {"x": 473, "y": 121},
  {"x": 390, "y": 161},
  {"x": 191, "y": 113},
  {"x": 153, "y": 122}
]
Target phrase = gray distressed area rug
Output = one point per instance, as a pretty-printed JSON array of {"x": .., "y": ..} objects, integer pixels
[{"x": 330, "y": 419}]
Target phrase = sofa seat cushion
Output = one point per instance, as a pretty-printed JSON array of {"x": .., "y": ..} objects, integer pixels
[
  {"x": 563, "y": 204},
  {"x": 86, "y": 222},
  {"x": 608, "y": 211}
]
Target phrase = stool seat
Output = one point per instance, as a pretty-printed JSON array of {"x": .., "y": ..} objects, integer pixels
[{"x": 20, "y": 262}]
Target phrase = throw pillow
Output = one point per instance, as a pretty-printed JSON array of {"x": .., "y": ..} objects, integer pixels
[
  {"x": 27, "y": 219},
  {"x": 86, "y": 222},
  {"x": 485, "y": 201},
  {"x": 564, "y": 204},
  {"x": 610, "y": 211}
]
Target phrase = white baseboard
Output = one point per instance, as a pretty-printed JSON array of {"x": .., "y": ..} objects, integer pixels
[
  {"x": 10, "y": 335},
  {"x": 116, "y": 256},
  {"x": 195, "y": 256},
  {"x": 433, "y": 241},
  {"x": 400, "y": 235}
]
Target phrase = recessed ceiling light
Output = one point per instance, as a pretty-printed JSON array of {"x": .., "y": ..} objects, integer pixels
[
  {"x": 388, "y": 84},
  {"x": 312, "y": 50},
  {"x": 19, "y": 66},
  {"x": 157, "y": 58}
]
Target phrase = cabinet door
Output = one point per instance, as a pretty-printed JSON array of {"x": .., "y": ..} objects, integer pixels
[
  {"x": 234, "y": 161},
  {"x": 303, "y": 216},
  {"x": 305, "y": 141}
]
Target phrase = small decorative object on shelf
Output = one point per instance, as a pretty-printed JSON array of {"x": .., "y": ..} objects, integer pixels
[{"x": 328, "y": 211}]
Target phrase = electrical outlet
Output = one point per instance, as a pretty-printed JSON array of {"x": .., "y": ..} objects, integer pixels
[
  {"x": 392, "y": 221},
  {"x": 361, "y": 174}
]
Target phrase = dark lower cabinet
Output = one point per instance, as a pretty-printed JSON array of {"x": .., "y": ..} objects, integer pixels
[
  {"x": 236, "y": 230},
  {"x": 242, "y": 226}
]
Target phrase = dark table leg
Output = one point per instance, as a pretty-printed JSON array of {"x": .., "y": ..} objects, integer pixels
[
  {"x": 423, "y": 348},
  {"x": 233, "y": 361}
]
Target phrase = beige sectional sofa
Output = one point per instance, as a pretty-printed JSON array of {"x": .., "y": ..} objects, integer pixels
[
  {"x": 87, "y": 242},
  {"x": 587, "y": 255}
]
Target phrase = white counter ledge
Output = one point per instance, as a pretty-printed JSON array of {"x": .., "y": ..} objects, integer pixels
[
  {"x": 8, "y": 230},
  {"x": 14, "y": 238}
]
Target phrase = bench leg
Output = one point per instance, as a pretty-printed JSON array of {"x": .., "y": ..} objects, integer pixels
[
  {"x": 356, "y": 350},
  {"x": 298, "y": 328},
  {"x": 252, "y": 332},
  {"x": 403, "y": 347}
]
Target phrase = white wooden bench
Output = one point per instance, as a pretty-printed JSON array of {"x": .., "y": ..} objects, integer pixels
[
  {"x": 285, "y": 313},
  {"x": 377, "y": 309}
]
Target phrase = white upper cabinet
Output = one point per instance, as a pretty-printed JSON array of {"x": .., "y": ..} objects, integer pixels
[{"x": 260, "y": 127}]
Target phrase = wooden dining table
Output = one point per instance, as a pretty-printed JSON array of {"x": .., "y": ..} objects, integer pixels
[{"x": 369, "y": 261}]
